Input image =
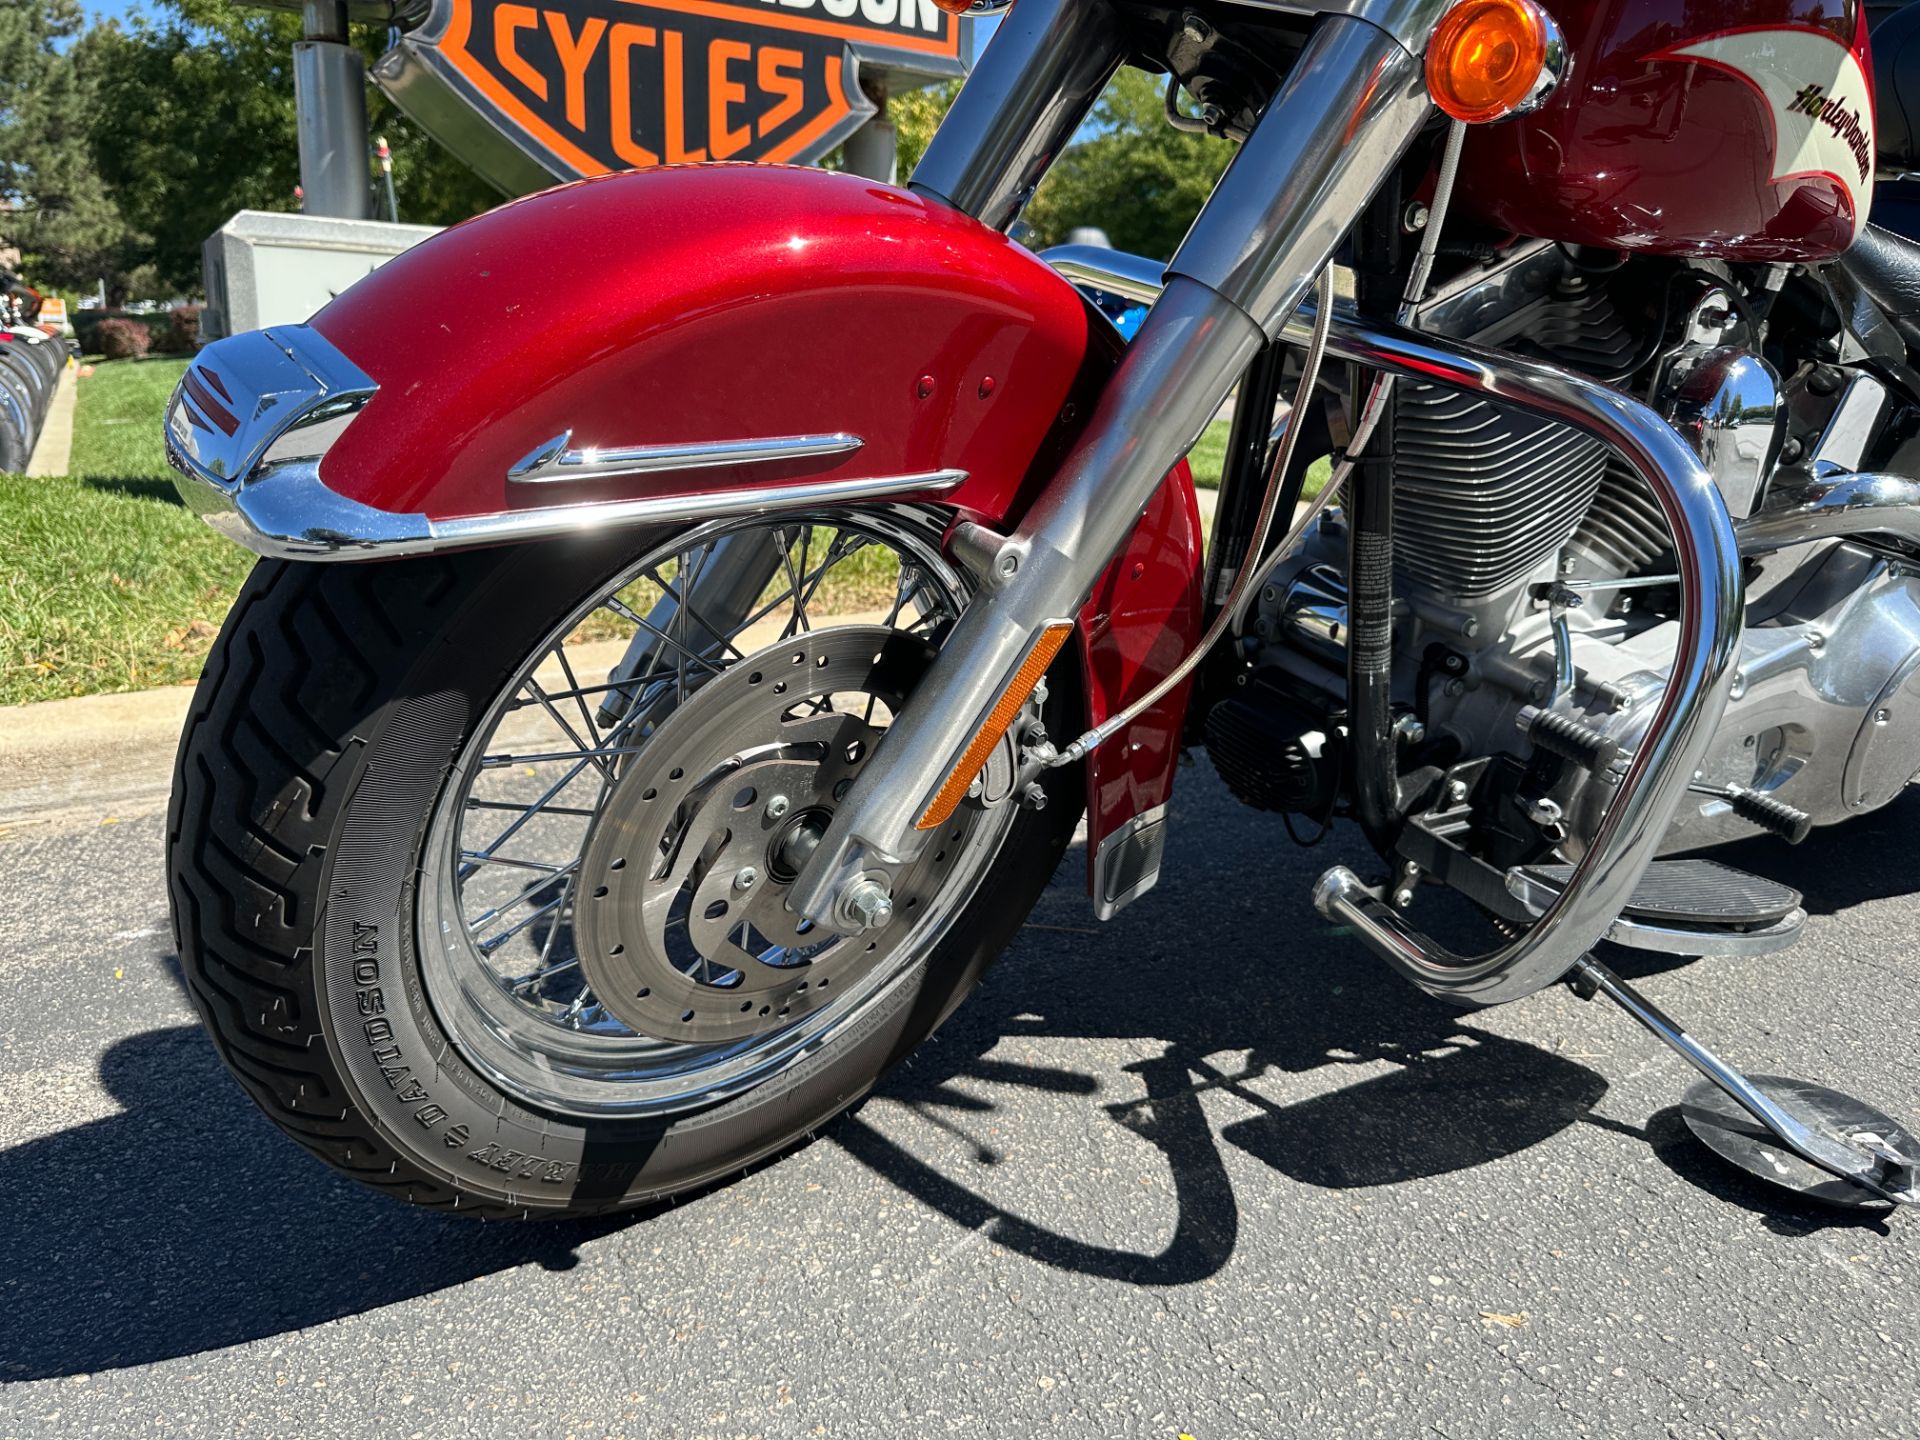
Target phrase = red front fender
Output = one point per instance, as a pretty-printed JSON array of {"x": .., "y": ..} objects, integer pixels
[{"x": 715, "y": 303}]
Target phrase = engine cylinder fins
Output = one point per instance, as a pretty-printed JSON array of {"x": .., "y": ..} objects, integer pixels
[
  {"x": 1483, "y": 492},
  {"x": 1272, "y": 751},
  {"x": 1623, "y": 532}
]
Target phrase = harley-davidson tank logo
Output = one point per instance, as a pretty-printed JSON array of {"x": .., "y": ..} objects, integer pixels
[
  {"x": 1817, "y": 94},
  {"x": 581, "y": 87}
]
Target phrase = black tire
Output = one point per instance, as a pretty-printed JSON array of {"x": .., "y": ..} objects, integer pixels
[{"x": 330, "y": 709}]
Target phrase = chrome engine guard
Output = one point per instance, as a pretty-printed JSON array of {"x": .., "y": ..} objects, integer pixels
[{"x": 1628, "y": 837}]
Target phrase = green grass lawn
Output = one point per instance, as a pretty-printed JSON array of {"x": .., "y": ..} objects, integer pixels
[
  {"x": 1209, "y": 457},
  {"x": 110, "y": 583}
]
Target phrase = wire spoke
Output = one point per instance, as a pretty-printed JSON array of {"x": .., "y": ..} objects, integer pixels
[
  {"x": 524, "y": 982},
  {"x": 474, "y": 803},
  {"x": 837, "y": 552},
  {"x": 528, "y": 892},
  {"x": 548, "y": 757},
  {"x": 513, "y": 862},
  {"x": 553, "y": 930},
  {"x": 493, "y": 943},
  {"x": 800, "y": 624},
  {"x": 628, "y": 613},
  {"x": 595, "y": 749},
  {"x": 538, "y": 807},
  {"x": 573, "y": 689}
]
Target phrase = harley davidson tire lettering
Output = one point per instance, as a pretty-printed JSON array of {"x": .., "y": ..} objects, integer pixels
[
  {"x": 520, "y": 1164},
  {"x": 371, "y": 1001},
  {"x": 455, "y": 1137},
  {"x": 1817, "y": 95},
  {"x": 428, "y": 1116}
]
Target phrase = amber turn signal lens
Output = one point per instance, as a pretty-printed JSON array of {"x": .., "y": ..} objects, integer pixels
[
  {"x": 973, "y": 7},
  {"x": 998, "y": 719},
  {"x": 1487, "y": 58}
]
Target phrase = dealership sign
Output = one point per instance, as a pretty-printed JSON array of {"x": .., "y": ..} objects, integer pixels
[{"x": 533, "y": 91}]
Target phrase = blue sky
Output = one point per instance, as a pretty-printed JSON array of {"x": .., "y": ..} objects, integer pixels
[{"x": 101, "y": 9}]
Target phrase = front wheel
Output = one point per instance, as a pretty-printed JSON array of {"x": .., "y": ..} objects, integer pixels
[{"x": 478, "y": 862}]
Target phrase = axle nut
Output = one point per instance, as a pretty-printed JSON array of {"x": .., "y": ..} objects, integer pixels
[{"x": 868, "y": 905}]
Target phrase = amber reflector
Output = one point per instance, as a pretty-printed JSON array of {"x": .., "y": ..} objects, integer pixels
[
  {"x": 955, "y": 7},
  {"x": 998, "y": 719},
  {"x": 1485, "y": 58}
]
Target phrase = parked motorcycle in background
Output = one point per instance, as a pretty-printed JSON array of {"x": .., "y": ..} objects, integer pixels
[{"x": 633, "y": 744}]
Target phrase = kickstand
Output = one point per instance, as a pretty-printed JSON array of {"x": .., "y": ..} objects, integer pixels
[{"x": 1833, "y": 1133}]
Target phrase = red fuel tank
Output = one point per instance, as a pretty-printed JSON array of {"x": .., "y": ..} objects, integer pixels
[{"x": 1741, "y": 129}]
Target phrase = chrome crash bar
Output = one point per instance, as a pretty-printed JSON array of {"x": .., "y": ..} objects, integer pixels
[{"x": 1656, "y": 782}]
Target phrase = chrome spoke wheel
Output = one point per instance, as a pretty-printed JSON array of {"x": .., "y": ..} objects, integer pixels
[{"x": 600, "y": 913}]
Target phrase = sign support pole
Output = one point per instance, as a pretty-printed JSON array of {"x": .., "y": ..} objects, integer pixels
[
  {"x": 330, "y": 106},
  {"x": 872, "y": 150}
]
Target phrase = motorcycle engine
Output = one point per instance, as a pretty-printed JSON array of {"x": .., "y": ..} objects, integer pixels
[{"x": 1497, "y": 512}]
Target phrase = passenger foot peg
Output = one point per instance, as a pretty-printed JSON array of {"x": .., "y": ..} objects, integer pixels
[{"x": 1825, "y": 1145}]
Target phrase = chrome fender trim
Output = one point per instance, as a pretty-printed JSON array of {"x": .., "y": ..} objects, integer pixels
[
  {"x": 555, "y": 461},
  {"x": 289, "y": 513},
  {"x": 254, "y": 415}
]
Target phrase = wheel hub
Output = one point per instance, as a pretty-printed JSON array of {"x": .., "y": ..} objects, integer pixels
[{"x": 682, "y": 918}]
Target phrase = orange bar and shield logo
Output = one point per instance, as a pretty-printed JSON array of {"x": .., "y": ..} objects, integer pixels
[{"x": 568, "y": 88}]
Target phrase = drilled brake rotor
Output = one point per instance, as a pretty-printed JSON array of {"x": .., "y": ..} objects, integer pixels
[{"x": 683, "y": 928}]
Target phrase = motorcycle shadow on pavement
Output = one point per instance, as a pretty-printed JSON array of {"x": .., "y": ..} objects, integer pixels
[
  {"x": 187, "y": 1223},
  {"x": 1267, "y": 977},
  {"x": 1238, "y": 984}
]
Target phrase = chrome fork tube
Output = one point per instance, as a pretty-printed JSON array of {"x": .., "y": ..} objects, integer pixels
[
  {"x": 1354, "y": 100},
  {"x": 1033, "y": 85},
  {"x": 1346, "y": 114}
]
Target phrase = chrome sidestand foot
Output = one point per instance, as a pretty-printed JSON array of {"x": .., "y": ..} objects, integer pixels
[{"x": 1807, "y": 1138}]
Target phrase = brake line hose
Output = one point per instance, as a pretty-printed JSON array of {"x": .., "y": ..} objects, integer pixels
[{"x": 1276, "y": 475}]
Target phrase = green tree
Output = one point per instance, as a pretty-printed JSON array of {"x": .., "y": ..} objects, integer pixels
[
  {"x": 53, "y": 204},
  {"x": 916, "y": 114},
  {"x": 1130, "y": 173},
  {"x": 195, "y": 120}
]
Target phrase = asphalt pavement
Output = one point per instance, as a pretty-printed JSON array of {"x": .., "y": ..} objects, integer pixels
[{"x": 1207, "y": 1169}]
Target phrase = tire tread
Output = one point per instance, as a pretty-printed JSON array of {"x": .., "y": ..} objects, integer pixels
[{"x": 246, "y": 833}]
